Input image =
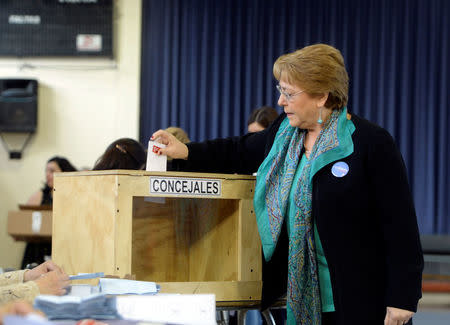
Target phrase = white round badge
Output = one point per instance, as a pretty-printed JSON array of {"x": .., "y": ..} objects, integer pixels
[{"x": 340, "y": 169}]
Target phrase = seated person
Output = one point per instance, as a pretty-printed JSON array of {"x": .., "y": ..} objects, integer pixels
[
  {"x": 45, "y": 195},
  {"x": 261, "y": 118},
  {"x": 18, "y": 308},
  {"x": 35, "y": 252},
  {"x": 124, "y": 153},
  {"x": 47, "y": 278}
]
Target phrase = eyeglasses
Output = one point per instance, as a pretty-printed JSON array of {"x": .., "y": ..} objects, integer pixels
[{"x": 287, "y": 95}]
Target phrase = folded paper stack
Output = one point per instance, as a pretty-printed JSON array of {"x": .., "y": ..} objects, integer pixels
[
  {"x": 97, "y": 306},
  {"x": 98, "y": 302}
]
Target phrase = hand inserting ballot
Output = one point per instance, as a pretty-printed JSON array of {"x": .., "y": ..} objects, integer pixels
[{"x": 174, "y": 148}]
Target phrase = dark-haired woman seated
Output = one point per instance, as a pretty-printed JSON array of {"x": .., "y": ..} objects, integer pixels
[{"x": 35, "y": 253}]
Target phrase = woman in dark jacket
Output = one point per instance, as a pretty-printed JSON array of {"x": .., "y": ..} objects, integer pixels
[{"x": 333, "y": 206}]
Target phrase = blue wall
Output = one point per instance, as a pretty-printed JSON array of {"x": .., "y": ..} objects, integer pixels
[{"x": 207, "y": 64}]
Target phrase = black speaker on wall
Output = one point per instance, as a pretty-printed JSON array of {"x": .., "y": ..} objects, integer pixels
[{"x": 18, "y": 105}]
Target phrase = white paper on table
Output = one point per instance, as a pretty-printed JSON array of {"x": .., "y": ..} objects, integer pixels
[
  {"x": 199, "y": 309},
  {"x": 82, "y": 290},
  {"x": 123, "y": 286},
  {"x": 155, "y": 162},
  {"x": 61, "y": 300}
]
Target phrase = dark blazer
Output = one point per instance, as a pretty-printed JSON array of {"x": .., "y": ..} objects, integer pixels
[{"x": 366, "y": 221}]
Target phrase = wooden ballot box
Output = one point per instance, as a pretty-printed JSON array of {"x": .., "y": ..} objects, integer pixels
[{"x": 189, "y": 232}]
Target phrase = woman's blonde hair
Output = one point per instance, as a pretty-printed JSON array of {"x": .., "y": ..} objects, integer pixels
[
  {"x": 317, "y": 69},
  {"x": 178, "y": 133}
]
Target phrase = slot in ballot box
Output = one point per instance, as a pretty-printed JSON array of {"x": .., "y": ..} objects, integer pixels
[{"x": 189, "y": 232}]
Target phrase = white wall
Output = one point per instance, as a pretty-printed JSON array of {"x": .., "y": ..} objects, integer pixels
[{"x": 80, "y": 111}]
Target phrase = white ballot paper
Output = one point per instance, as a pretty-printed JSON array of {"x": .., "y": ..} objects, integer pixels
[
  {"x": 124, "y": 286},
  {"x": 155, "y": 163},
  {"x": 198, "y": 309}
]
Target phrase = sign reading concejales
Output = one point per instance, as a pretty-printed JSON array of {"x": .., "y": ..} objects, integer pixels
[{"x": 185, "y": 186}]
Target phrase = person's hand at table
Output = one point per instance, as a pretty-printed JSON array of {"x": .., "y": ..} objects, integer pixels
[
  {"x": 53, "y": 283},
  {"x": 20, "y": 308},
  {"x": 396, "y": 316},
  {"x": 174, "y": 148},
  {"x": 39, "y": 270}
]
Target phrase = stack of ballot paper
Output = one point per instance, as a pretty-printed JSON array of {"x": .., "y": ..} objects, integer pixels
[
  {"x": 86, "y": 301},
  {"x": 98, "y": 306}
]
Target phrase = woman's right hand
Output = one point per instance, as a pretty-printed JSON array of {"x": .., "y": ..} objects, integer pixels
[
  {"x": 174, "y": 148},
  {"x": 53, "y": 283}
]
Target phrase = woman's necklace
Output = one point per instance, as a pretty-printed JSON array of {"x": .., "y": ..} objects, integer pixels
[
  {"x": 309, "y": 143},
  {"x": 307, "y": 153}
]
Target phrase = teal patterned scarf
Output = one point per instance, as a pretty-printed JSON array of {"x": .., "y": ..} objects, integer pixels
[{"x": 273, "y": 185}]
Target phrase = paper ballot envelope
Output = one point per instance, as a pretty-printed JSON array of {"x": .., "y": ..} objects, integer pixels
[{"x": 155, "y": 163}]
